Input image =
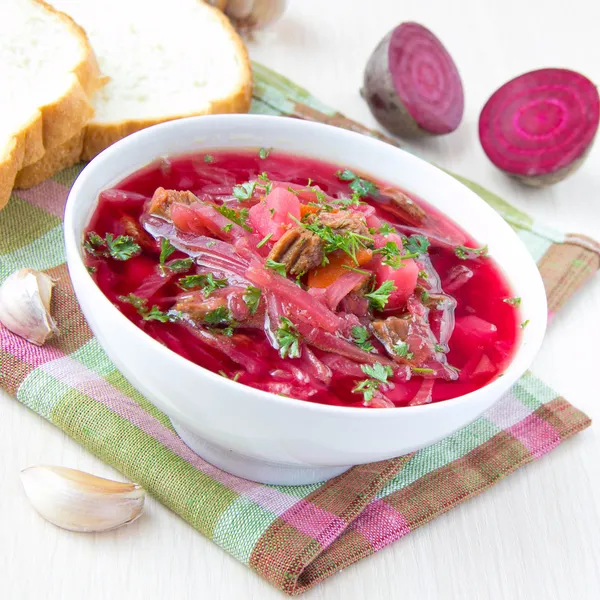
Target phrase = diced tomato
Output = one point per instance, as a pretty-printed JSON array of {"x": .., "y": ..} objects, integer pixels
[
  {"x": 472, "y": 333},
  {"x": 404, "y": 278},
  {"x": 273, "y": 215}
]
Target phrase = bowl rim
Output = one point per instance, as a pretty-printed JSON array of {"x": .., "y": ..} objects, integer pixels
[{"x": 76, "y": 266}]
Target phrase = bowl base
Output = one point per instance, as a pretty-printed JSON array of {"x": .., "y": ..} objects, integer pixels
[{"x": 254, "y": 469}]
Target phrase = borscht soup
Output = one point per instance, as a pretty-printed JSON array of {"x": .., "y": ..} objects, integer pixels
[{"x": 302, "y": 278}]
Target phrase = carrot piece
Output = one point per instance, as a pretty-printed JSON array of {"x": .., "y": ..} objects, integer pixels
[
  {"x": 322, "y": 277},
  {"x": 305, "y": 209}
]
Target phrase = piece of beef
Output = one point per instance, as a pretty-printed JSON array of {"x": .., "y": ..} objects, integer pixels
[
  {"x": 138, "y": 233},
  {"x": 403, "y": 207},
  {"x": 299, "y": 249},
  {"x": 410, "y": 329},
  {"x": 341, "y": 221},
  {"x": 163, "y": 199},
  {"x": 196, "y": 306}
]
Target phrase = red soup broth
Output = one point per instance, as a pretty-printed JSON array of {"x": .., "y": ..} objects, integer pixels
[{"x": 453, "y": 347}]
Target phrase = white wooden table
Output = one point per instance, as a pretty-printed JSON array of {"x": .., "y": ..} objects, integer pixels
[{"x": 534, "y": 536}]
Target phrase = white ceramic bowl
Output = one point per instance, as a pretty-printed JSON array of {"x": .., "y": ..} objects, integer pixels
[{"x": 255, "y": 434}]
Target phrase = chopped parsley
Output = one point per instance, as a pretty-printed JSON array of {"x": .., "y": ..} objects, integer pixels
[
  {"x": 264, "y": 240},
  {"x": 238, "y": 217},
  {"x": 264, "y": 152},
  {"x": 378, "y": 374},
  {"x": 524, "y": 324},
  {"x": 361, "y": 187},
  {"x": 276, "y": 266},
  {"x": 361, "y": 336},
  {"x": 391, "y": 255},
  {"x": 464, "y": 252},
  {"x": 423, "y": 275},
  {"x": 513, "y": 301},
  {"x": 122, "y": 247},
  {"x": 181, "y": 265},
  {"x": 416, "y": 244},
  {"x": 227, "y": 228},
  {"x": 218, "y": 316},
  {"x": 90, "y": 269},
  {"x": 288, "y": 339},
  {"x": 361, "y": 271},
  {"x": 420, "y": 371},
  {"x": 150, "y": 314},
  {"x": 207, "y": 283},
  {"x": 208, "y": 158},
  {"x": 264, "y": 183},
  {"x": 379, "y": 298},
  {"x": 244, "y": 191},
  {"x": 252, "y": 298},
  {"x": 439, "y": 348},
  {"x": 401, "y": 349},
  {"x": 235, "y": 377},
  {"x": 424, "y": 296},
  {"x": 386, "y": 228},
  {"x": 354, "y": 200},
  {"x": 166, "y": 249}
]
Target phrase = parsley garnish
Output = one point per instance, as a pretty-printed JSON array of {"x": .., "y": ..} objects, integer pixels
[
  {"x": 391, "y": 255},
  {"x": 264, "y": 152},
  {"x": 180, "y": 265},
  {"x": 264, "y": 240},
  {"x": 90, "y": 269},
  {"x": 122, "y": 247},
  {"x": 401, "y": 349},
  {"x": 464, "y": 252},
  {"x": 354, "y": 200},
  {"x": 416, "y": 244},
  {"x": 235, "y": 377},
  {"x": 227, "y": 228},
  {"x": 265, "y": 183},
  {"x": 423, "y": 275},
  {"x": 239, "y": 218},
  {"x": 349, "y": 242},
  {"x": 419, "y": 370},
  {"x": 208, "y": 158},
  {"x": 361, "y": 335},
  {"x": 439, "y": 348},
  {"x": 218, "y": 316},
  {"x": 244, "y": 191},
  {"x": 378, "y": 374},
  {"x": 252, "y": 298},
  {"x": 424, "y": 296},
  {"x": 361, "y": 187},
  {"x": 361, "y": 271},
  {"x": 524, "y": 324},
  {"x": 379, "y": 298},
  {"x": 288, "y": 338},
  {"x": 207, "y": 283},
  {"x": 276, "y": 266},
  {"x": 166, "y": 249},
  {"x": 149, "y": 314},
  {"x": 386, "y": 228},
  {"x": 512, "y": 301}
]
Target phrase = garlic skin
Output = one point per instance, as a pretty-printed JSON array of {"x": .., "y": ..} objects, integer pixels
[
  {"x": 25, "y": 305},
  {"x": 251, "y": 15},
  {"x": 81, "y": 502}
]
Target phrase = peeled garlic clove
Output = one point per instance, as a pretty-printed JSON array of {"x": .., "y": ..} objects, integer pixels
[
  {"x": 78, "y": 501},
  {"x": 25, "y": 305}
]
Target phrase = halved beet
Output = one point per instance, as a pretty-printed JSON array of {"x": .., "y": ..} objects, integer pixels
[
  {"x": 412, "y": 85},
  {"x": 540, "y": 126}
]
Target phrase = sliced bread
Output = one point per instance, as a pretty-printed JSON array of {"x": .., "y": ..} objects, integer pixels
[
  {"x": 48, "y": 71},
  {"x": 163, "y": 63}
]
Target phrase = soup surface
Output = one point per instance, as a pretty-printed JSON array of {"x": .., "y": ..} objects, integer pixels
[{"x": 303, "y": 278}]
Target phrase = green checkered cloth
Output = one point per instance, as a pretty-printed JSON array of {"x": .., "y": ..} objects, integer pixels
[{"x": 294, "y": 537}]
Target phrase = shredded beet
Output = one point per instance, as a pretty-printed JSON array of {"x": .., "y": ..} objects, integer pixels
[
  {"x": 336, "y": 290},
  {"x": 412, "y": 85},
  {"x": 540, "y": 126}
]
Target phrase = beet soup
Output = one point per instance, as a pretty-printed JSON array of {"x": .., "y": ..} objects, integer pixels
[{"x": 304, "y": 279}]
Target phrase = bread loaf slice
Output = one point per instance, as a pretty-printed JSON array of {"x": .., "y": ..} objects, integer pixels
[
  {"x": 48, "y": 71},
  {"x": 164, "y": 61}
]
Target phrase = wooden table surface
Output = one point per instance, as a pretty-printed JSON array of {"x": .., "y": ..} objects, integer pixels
[{"x": 534, "y": 536}]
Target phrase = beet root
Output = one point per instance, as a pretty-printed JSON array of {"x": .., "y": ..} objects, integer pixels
[
  {"x": 540, "y": 126},
  {"x": 412, "y": 85}
]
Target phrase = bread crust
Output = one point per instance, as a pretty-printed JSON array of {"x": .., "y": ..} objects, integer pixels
[
  {"x": 55, "y": 123},
  {"x": 99, "y": 136}
]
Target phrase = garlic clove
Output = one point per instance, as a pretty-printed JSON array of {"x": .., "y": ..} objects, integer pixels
[
  {"x": 25, "y": 305},
  {"x": 250, "y": 15},
  {"x": 81, "y": 502}
]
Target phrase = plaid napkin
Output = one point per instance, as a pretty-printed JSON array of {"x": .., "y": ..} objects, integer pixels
[{"x": 294, "y": 537}]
